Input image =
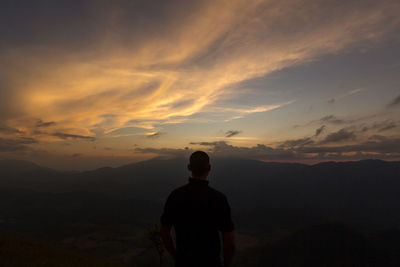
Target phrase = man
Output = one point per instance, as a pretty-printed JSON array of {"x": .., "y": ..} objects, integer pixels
[{"x": 198, "y": 214}]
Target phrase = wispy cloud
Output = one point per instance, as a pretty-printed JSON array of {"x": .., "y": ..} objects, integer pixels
[
  {"x": 9, "y": 130},
  {"x": 154, "y": 135},
  {"x": 215, "y": 45},
  {"x": 382, "y": 147},
  {"x": 297, "y": 142},
  {"x": 17, "y": 144},
  {"x": 332, "y": 119},
  {"x": 394, "y": 103},
  {"x": 242, "y": 112},
  {"x": 390, "y": 126},
  {"x": 41, "y": 123},
  {"x": 381, "y": 126},
  {"x": 232, "y": 133},
  {"x": 174, "y": 152},
  {"x": 302, "y": 149},
  {"x": 73, "y": 136},
  {"x": 319, "y": 130},
  {"x": 339, "y": 136},
  {"x": 346, "y": 94}
]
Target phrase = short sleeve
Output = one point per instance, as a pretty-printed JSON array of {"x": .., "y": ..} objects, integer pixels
[
  {"x": 226, "y": 223},
  {"x": 167, "y": 217}
]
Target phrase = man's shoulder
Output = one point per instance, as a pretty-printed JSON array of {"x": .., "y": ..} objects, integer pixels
[
  {"x": 217, "y": 193},
  {"x": 210, "y": 190},
  {"x": 179, "y": 190}
]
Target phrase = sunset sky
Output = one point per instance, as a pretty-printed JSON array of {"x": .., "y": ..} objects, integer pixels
[{"x": 86, "y": 84}]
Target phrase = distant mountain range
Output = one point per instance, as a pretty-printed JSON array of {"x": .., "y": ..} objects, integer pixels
[{"x": 265, "y": 194}]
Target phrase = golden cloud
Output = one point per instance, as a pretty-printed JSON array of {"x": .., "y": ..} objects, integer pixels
[{"x": 183, "y": 71}]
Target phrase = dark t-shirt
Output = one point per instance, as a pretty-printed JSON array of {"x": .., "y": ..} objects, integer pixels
[{"x": 198, "y": 213}]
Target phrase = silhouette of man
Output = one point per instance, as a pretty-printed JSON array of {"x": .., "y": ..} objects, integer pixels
[{"x": 198, "y": 214}]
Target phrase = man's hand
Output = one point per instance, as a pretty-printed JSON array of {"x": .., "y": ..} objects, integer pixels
[
  {"x": 228, "y": 239},
  {"x": 165, "y": 233}
]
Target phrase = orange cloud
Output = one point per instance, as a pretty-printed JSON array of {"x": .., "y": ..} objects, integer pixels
[{"x": 169, "y": 77}]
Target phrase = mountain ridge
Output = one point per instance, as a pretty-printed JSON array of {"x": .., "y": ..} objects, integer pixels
[{"x": 31, "y": 165}]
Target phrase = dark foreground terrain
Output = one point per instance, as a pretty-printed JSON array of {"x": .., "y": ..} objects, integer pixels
[{"x": 329, "y": 214}]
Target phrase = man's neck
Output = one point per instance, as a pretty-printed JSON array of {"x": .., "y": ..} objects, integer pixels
[{"x": 202, "y": 177}]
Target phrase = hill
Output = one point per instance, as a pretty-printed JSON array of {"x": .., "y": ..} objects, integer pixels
[
  {"x": 106, "y": 211},
  {"x": 363, "y": 192},
  {"x": 21, "y": 251}
]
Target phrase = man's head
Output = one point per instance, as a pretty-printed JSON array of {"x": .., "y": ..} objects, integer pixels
[{"x": 199, "y": 164}]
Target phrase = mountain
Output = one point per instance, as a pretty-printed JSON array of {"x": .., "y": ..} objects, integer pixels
[
  {"x": 327, "y": 244},
  {"x": 11, "y": 166},
  {"x": 363, "y": 192},
  {"x": 23, "y": 251},
  {"x": 107, "y": 211}
]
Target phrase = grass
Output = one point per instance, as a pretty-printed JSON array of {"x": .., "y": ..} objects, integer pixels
[{"x": 16, "y": 251}]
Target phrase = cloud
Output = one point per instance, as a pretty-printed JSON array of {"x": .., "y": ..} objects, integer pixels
[
  {"x": 41, "y": 123},
  {"x": 389, "y": 126},
  {"x": 290, "y": 150},
  {"x": 377, "y": 137},
  {"x": 154, "y": 135},
  {"x": 73, "y": 136},
  {"x": 206, "y": 143},
  {"x": 125, "y": 131},
  {"x": 381, "y": 147},
  {"x": 215, "y": 143},
  {"x": 232, "y": 113},
  {"x": 297, "y": 142},
  {"x": 339, "y": 136},
  {"x": 351, "y": 92},
  {"x": 260, "y": 151},
  {"x": 394, "y": 103},
  {"x": 381, "y": 126},
  {"x": 174, "y": 152},
  {"x": 9, "y": 130},
  {"x": 355, "y": 91},
  {"x": 123, "y": 60},
  {"x": 332, "y": 119},
  {"x": 346, "y": 94},
  {"x": 319, "y": 130},
  {"x": 7, "y": 145},
  {"x": 232, "y": 133}
]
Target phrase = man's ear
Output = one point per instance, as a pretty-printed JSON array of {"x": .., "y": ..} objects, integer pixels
[
  {"x": 209, "y": 167},
  {"x": 189, "y": 167}
]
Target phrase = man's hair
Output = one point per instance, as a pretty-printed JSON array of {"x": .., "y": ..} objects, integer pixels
[{"x": 199, "y": 162}]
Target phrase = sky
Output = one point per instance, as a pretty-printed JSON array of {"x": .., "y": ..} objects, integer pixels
[{"x": 87, "y": 84}]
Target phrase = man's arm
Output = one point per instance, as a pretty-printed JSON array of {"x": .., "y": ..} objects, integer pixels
[
  {"x": 226, "y": 227},
  {"x": 167, "y": 221},
  {"x": 165, "y": 233},
  {"x": 228, "y": 239}
]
